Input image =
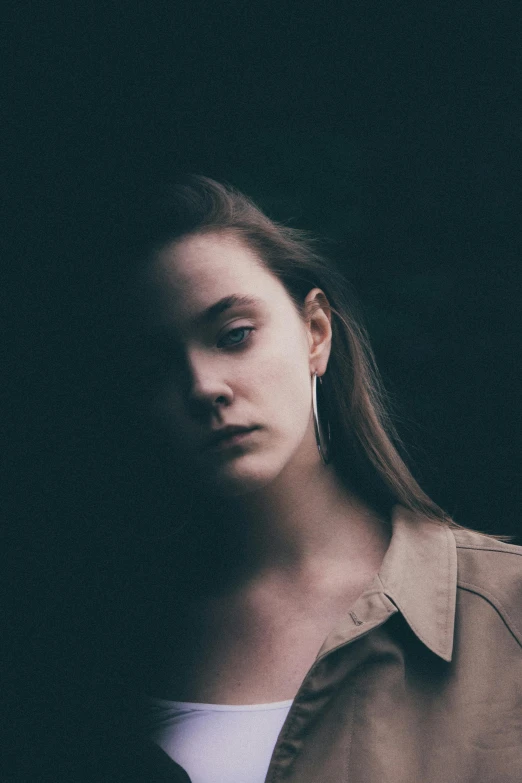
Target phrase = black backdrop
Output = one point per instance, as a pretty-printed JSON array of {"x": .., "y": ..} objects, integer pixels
[
  {"x": 394, "y": 132},
  {"x": 393, "y": 129}
]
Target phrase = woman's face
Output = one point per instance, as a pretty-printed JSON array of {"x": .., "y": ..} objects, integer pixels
[{"x": 235, "y": 353}]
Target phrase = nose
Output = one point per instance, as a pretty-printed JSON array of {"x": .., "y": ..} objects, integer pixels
[{"x": 207, "y": 387}]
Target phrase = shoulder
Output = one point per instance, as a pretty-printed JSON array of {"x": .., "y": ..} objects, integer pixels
[
  {"x": 492, "y": 570},
  {"x": 484, "y": 558}
]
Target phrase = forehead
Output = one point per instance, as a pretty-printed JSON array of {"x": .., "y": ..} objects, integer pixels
[{"x": 191, "y": 274}]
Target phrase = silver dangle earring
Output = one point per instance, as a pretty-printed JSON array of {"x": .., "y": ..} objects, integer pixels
[{"x": 323, "y": 443}]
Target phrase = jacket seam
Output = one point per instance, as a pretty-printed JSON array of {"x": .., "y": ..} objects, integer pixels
[
  {"x": 490, "y": 549},
  {"x": 450, "y": 543},
  {"x": 497, "y": 605}
]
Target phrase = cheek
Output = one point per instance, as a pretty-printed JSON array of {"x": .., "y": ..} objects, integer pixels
[{"x": 283, "y": 377}]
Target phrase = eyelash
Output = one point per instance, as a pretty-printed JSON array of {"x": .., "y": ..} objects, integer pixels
[{"x": 248, "y": 329}]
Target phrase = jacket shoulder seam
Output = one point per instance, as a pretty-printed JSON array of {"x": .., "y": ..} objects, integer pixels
[
  {"x": 478, "y": 548},
  {"x": 498, "y": 605}
]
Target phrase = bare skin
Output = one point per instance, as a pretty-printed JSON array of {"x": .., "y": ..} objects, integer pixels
[
  {"x": 309, "y": 546},
  {"x": 255, "y": 643}
]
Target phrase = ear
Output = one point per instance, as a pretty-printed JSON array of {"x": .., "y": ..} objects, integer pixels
[{"x": 318, "y": 317}]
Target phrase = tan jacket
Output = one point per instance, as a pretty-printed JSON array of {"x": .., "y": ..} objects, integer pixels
[{"x": 422, "y": 682}]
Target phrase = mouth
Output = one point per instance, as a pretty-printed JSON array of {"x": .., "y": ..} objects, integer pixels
[{"x": 228, "y": 436}]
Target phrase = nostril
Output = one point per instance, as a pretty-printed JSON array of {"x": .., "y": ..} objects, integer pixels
[{"x": 198, "y": 404}]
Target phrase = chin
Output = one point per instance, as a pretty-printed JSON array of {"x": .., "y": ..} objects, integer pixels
[
  {"x": 238, "y": 478},
  {"x": 239, "y": 485}
]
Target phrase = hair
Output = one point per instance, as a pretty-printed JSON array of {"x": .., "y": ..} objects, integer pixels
[{"x": 365, "y": 447}]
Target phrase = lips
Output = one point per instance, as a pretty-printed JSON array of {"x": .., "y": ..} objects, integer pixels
[{"x": 226, "y": 434}]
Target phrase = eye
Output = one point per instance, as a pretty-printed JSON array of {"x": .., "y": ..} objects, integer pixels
[{"x": 235, "y": 336}]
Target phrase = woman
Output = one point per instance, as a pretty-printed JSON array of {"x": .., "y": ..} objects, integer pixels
[{"x": 323, "y": 619}]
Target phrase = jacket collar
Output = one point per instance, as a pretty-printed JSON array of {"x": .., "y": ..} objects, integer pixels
[{"x": 419, "y": 575}]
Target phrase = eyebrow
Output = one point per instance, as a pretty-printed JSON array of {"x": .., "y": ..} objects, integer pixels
[{"x": 234, "y": 300}]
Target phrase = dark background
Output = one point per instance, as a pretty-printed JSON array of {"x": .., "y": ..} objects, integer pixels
[{"x": 392, "y": 129}]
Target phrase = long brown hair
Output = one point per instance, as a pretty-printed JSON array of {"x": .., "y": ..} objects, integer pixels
[{"x": 365, "y": 446}]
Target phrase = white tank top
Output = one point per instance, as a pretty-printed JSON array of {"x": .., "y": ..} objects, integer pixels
[{"x": 218, "y": 742}]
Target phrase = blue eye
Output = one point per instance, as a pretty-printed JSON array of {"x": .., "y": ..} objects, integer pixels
[{"x": 236, "y": 336}]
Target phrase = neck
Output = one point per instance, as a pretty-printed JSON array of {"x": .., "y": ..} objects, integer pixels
[{"x": 306, "y": 522}]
